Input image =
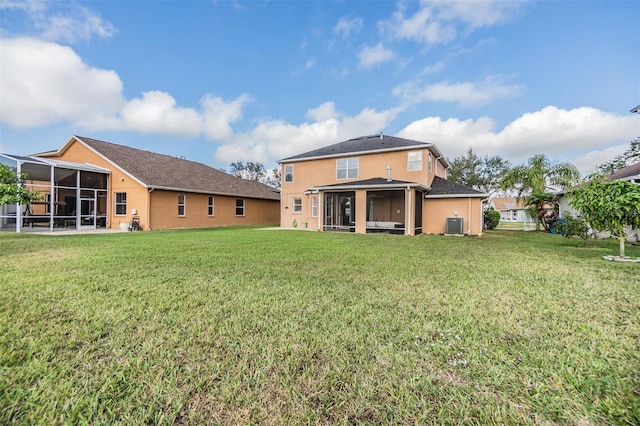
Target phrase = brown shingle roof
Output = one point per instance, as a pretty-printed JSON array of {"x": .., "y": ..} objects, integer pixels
[
  {"x": 507, "y": 203},
  {"x": 166, "y": 172},
  {"x": 632, "y": 170}
]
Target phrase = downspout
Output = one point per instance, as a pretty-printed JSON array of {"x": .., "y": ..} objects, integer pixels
[
  {"x": 51, "y": 199},
  {"x": 469, "y": 232},
  {"x": 18, "y": 205},
  {"x": 149, "y": 208},
  {"x": 482, "y": 214},
  {"x": 408, "y": 215},
  {"x": 437, "y": 161},
  {"x": 320, "y": 212}
]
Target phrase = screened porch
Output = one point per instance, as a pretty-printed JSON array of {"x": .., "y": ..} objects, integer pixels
[
  {"x": 393, "y": 207},
  {"x": 71, "y": 196}
]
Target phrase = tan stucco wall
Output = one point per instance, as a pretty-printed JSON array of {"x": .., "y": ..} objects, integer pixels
[
  {"x": 307, "y": 174},
  {"x": 159, "y": 209},
  {"x": 137, "y": 196},
  {"x": 436, "y": 211},
  {"x": 164, "y": 211}
]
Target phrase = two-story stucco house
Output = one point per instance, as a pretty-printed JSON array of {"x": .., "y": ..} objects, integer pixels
[{"x": 377, "y": 183}]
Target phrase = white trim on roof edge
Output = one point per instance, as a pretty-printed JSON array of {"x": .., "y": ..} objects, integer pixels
[
  {"x": 457, "y": 196},
  {"x": 351, "y": 154}
]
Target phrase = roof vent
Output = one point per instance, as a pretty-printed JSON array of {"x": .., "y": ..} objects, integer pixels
[{"x": 381, "y": 135}]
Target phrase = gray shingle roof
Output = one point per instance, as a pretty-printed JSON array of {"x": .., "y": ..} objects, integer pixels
[
  {"x": 362, "y": 144},
  {"x": 166, "y": 172},
  {"x": 624, "y": 172},
  {"x": 443, "y": 188},
  {"x": 372, "y": 182}
]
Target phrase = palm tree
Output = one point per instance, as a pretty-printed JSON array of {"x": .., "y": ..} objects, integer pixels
[{"x": 535, "y": 178}]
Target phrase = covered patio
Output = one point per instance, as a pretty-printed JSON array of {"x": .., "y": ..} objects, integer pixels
[
  {"x": 371, "y": 206},
  {"x": 72, "y": 196}
]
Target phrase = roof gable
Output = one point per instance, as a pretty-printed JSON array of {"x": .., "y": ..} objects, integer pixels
[
  {"x": 443, "y": 188},
  {"x": 161, "y": 171},
  {"x": 364, "y": 145},
  {"x": 507, "y": 203}
]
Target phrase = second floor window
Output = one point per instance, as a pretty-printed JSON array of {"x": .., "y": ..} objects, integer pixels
[
  {"x": 288, "y": 173},
  {"x": 414, "y": 161},
  {"x": 347, "y": 168},
  {"x": 182, "y": 199},
  {"x": 430, "y": 162}
]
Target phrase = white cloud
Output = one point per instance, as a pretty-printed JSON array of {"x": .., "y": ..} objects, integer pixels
[
  {"x": 433, "y": 68},
  {"x": 323, "y": 112},
  {"x": 63, "y": 21},
  {"x": 43, "y": 83},
  {"x": 157, "y": 112},
  {"x": 307, "y": 66},
  {"x": 464, "y": 93},
  {"x": 441, "y": 22},
  {"x": 558, "y": 133},
  {"x": 273, "y": 139},
  {"x": 369, "y": 57},
  {"x": 345, "y": 27},
  {"x": 589, "y": 162},
  {"x": 219, "y": 114}
]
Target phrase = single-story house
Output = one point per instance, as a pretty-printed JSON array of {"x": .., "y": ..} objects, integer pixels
[
  {"x": 377, "y": 184},
  {"x": 89, "y": 184},
  {"x": 513, "y": 209}
]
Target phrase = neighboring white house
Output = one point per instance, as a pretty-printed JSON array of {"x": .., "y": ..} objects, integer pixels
[
  {"x": 512, "y": 209},
  {"x": 630, "y": 173}
]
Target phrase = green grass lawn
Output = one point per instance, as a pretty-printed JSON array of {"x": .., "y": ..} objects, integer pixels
[{"x": 237, "y": 326}]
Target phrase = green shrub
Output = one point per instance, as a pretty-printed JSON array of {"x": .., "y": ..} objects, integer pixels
[
  {"x": 570, "y": 226},
  {"x": 491, "y": 219}
]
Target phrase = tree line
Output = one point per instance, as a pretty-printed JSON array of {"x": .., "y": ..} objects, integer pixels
[{"x": 606, "y": 205}]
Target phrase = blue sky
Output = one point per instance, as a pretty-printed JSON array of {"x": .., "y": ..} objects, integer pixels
[{"x": 218, "y": 81}]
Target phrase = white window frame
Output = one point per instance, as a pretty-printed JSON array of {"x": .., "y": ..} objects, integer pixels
[
  {"x": 288, "y": 175},
  {"x": 297, "y": 205},
  {"x": 211, "y": 206},
  {"x": 414, "y": 161},
  {"x": 121, "y": 203},
  {"x": 314, "y": 206},
  {"x": 183, "y": 204},
  {"x": 430, "y": 162},
  {"x": 242, "y": 206},
  {"x": 347, "y": 167}
]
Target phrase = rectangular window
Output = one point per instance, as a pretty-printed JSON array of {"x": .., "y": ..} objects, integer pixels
[
  {"x": 297, "y": 205},
  {"x": 121, "y": 203},
  {"x": 314, "y": 206},
  {"x": 414, "y": 161},
  {"x": 239, "y": 207},
  {"x": 430, "y": 162},
  {"x": 347, "y": 168},
  {"x": 181, "y": 204},
  {"x": 211, "y": 202},
  {"x": 288, "y": 173}
]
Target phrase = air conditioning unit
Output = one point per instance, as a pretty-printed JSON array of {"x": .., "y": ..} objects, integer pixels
[{"x": 454, "y": 226}]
